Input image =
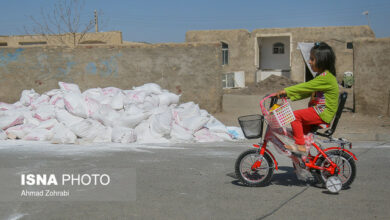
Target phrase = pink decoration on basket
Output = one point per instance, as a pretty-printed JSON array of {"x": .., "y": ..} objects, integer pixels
[{"x": 280, "y": 117}]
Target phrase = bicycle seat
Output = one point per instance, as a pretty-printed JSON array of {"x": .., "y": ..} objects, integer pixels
[{"x": 328, "y": 133}]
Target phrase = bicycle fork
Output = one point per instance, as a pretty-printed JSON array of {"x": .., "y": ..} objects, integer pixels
[{"x": 262, "y": 151}]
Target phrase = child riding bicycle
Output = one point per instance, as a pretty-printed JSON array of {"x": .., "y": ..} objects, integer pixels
[{"x": 324, "y": 92}]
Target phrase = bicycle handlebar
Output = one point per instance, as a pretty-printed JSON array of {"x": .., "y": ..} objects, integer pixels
[
  {"x": 272, "y": 95},
  {"x": 263, "y": 109}
]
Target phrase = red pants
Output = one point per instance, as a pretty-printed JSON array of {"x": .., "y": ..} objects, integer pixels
[{"x": 304, "y": 119}]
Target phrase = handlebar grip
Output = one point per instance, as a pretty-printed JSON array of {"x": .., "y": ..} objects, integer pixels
[{"x": 283, "y": 96}]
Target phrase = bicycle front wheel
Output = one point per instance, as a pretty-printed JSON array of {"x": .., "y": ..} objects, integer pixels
[{"x": 260, "y": 176}]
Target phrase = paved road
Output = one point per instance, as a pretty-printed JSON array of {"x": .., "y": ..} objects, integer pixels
[{"x": 196, "y": 181}]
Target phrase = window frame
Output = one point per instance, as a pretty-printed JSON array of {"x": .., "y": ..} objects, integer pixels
[
  {"x": 225, "y": 53},
  {"x": 278, "y": 48},
  {"x": 226, "y": 81}
]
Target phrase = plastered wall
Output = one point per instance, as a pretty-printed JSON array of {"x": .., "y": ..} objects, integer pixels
[
  {"x": 372, "y": 77},
  {"x": 245, "y": 50},
  {"x": 190, "y": 69}
]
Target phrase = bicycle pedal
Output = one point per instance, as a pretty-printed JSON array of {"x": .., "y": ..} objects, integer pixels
[
  {"x": 295, "y": 154},
  {"x": 301, "y": 163}
]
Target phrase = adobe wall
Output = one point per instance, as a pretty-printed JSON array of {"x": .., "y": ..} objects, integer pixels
[
  {"x": 193, "y": 70},
  {"x": 110, "y": 37},
  {"x": 240, "y": 53},
  {"x": 372, "y": 77},
  {"x": 336, "y": 37},
  {"x": 243, "y": 52}
]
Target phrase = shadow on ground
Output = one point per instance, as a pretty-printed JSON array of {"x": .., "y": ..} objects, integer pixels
[{"x": 286, "y": 178}]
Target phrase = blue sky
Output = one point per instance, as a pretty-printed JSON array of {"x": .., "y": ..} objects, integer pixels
[{"x": 168, "y": 20}]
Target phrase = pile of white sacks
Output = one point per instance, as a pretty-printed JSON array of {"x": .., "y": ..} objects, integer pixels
[{"x": 145, "y": 114}]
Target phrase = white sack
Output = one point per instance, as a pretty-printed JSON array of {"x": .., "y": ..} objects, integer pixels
[
  {"x": 28, "y": 96},
  {"x": 236, "y": 133},
  {"x": 161, "y": 123},
  {"x": 204, "y": 113},
  {"x": 53, "y": 92},
  {"x": 6, "y": 106},
  {"x": 204, "y": 135},
  {"x": 131, "y": 120},
  {"x": 117, "y": 101},
  {"x": 95, "y": 93},
  {"x": 146, "y": 135},
  {"x": 69, "y": 87},
  {"x": 18, "y": 105},
  {"x": 92, "y": 130},
  {"x": 133, "y": 109},
  {"x": 19, "y": 131},
  {"x": 105, "y": 100},
  {"x": 132, "y": 96},
  {"x": 151, "y": 102},
  {"x": 29, "y": 118},
  {"x": 224, "y": 136},
  {"x": 214, "y": 125},
  {"x": 39, "y": 134},
  {"x": 167, "y": 98},
  {"x": 41, "y": 100},
  {"x": 3, "y": 135},
  {"x": 10, "y": 118},
  {"x": 194, "y": 123},
  {"x": 107, "y": 116},
  {"x": 123, "y": 135},
  {"x": 75, "y": 104},
  {"x": 67, "y": 118},
  {"x": 45, "y": 112},
  {"x": 63, "y": 135},
  {"x": 179, "y": 133},
  {"x": 48, "y": 124},
  {"x": 57, "y": 100},
  {"x": 111, "y": 91},
  {"x": 150, "y": 88},
  {"x": 92, "y": 105},
  {"x": 188, "y": 110}
]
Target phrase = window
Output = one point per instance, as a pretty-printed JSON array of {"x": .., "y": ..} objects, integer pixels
[
  {"x": 3, "y": 44},
  {"x": 349, "y": 45},
  {"x": 225, "y": 53},
  {"x": 278, "y": 48},
  {"x": 233, "y": 80},
  {"x": 32, "y": 43},
  {"x": 228, "y": 80}
]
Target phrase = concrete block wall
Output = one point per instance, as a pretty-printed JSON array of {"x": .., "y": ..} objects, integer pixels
[
  {"x": 372, "y": 77},
  {"x": 191, "y": 69}
]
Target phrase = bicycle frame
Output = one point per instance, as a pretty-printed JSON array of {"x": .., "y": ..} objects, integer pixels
[{"x": 271, "y": 135}]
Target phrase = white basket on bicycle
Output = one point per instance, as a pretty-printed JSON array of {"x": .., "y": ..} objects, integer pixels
[{"x": 281, "y": 116}]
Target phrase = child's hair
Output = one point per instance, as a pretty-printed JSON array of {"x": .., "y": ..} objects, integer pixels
[{"x": 325, "y": 57}]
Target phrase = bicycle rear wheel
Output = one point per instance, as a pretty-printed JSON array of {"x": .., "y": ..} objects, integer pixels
[
  {"x": 346, "y": 165},
  {"x": 260, "y": 176}
]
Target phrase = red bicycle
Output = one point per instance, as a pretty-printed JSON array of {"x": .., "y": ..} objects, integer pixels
[{"x": 333, "y": 167}]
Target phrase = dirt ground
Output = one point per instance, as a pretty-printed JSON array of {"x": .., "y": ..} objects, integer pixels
[
  {"x": 270, "y": 84},
  {"x": 238, "y": 102}
]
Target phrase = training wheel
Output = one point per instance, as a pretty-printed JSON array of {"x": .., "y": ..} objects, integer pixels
[{"x": 334, "y": 184}]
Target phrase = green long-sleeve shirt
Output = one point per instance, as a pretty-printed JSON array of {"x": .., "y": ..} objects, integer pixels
[{"x": 325, "y": 88}]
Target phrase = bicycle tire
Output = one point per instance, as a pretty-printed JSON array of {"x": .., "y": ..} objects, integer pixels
[
  {"x": 321, "y": 175},
  {"x": 269, "y": 167}
]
